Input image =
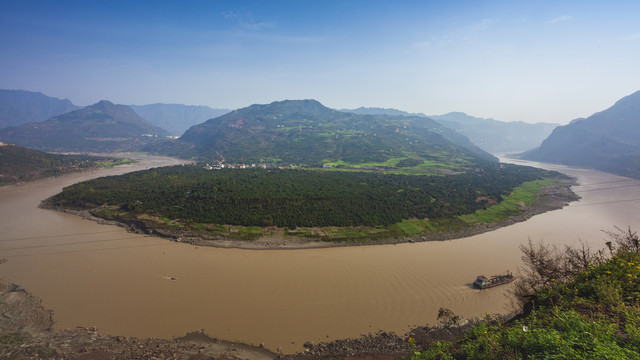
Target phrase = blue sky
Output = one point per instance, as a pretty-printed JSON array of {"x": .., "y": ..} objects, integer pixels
[{"x": 531, "y": 61}]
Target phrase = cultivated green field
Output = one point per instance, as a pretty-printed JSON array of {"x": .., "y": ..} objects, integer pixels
[{"x": 513, "y": 204}]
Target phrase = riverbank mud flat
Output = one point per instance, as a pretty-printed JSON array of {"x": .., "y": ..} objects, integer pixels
[{"x": 550, "y": 198}]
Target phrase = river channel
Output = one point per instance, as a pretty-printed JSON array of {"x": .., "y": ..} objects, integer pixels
[{"x": 136, "y": 285}]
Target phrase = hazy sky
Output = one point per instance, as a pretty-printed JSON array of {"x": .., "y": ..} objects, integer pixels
[{"x": 532, "y": 61}]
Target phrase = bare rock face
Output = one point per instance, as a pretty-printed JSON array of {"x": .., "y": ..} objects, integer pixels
[
  {"x": 21, "y": 311},
  {"x": 26, "y": 333}
]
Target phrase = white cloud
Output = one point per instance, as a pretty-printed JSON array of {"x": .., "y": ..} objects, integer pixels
[
  {"x": 456, "y": 37},
  {"x": 560, "y": 19},
  {"x": 482, "y": 25},
  {"x": 246, "y": 20}
]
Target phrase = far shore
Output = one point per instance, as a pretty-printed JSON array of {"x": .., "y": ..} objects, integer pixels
[{"x": 551, "y": 198}]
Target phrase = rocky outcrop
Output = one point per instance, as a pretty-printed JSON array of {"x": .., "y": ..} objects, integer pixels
[{"x": 26, "y": 333}]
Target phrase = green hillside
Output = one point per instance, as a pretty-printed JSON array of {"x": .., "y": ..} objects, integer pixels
[
  {"x": 102, "y": 127},
  {"x": 21, "y": 164},
  {"x": 579, "y": 304},
  {"x": 304, "y": 132}
]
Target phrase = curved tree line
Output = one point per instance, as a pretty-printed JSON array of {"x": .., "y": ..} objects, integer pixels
[{"x": 290, "y": 198}]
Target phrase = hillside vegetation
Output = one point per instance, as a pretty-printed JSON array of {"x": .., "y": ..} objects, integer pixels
[
  {"x": 102, "y": 127},
  {"x": 20, "y": 164},
  {"x": 304, "y": 132},
  {"x": 579, "y": 305}
]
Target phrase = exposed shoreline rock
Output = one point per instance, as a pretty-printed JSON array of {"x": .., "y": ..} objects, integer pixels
[{"x": 26, "y": 333}]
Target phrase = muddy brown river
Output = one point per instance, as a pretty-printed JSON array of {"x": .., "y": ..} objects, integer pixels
[{"x": 121, "y": 283}]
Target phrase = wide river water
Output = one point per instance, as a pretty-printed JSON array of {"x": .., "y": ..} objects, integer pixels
[{"x": 100, "y": 275}]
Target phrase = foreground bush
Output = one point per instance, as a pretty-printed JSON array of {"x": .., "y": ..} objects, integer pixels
[{"x": 587, "y": 314}]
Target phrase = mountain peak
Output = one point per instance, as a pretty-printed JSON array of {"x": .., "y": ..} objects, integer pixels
[
  {"x": 306, "y": 105},
  {"x": 21, "y": 107},
  {"x": 103, "y": 125},
  {"x": 631, "y": 100},
  {"x": 104, "y": 103},
  {"x": 307, "y": 132},
  {"x": 287, "y": 108}
]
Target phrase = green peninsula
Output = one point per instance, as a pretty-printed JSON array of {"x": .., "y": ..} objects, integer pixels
[{"x": 322, "y": 205}]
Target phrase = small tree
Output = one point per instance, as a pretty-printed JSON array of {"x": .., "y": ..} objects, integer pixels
[
  {"x": 545, "y": 265},
  {"x": 623, "y": 240}
]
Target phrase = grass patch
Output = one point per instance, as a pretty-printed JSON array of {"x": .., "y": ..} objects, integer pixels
[
  {"x": 513, "y": 204},
  {"x": 421, "y": 166},
  {"x": 115, "y": 162},
  {"x": 246, "y": 232},
  {"x": 411, "y": 227}
]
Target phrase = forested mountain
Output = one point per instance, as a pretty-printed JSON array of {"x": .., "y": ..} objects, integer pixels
[
  {"x": 306, "y": 132},
  {"x": 99, "y": 127},
  {"x": 22, "y": 164},
  {"x": 496, "y": 137},
  {"x": 19, "y": 107},
  {"x": 608, "y": 140},
  {"x": 177, "y": 118}
]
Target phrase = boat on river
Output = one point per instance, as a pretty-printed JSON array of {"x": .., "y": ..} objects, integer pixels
[{"x": 482, "y": 282}]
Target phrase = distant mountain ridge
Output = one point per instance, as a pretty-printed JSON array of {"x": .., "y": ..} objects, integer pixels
[
  {"x": 177, "y": 118},
  {"x": 381, "y": 111},
  {"x": 103, "y": 126},
  {"x": 608, "y": 140},
  {"x": 19, "y": 107},
  {"x": 307, "y": 132},
  {"x": 496, "y": 137}
]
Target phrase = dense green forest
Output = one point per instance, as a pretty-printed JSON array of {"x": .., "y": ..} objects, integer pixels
[
  {"x": 22, "y": 164},
  {"x": 295, "y": 198}
]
